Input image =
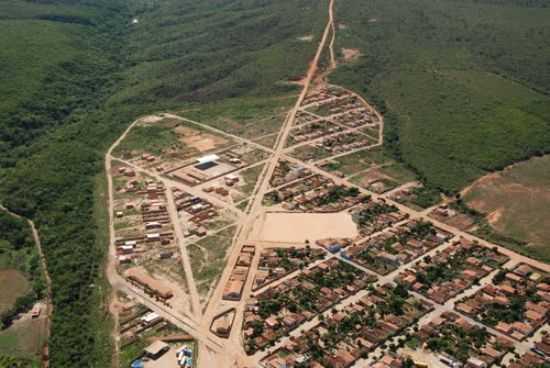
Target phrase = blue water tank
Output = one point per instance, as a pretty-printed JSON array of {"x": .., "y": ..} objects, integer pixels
[
  {"x": 138, "y": 363},
  {"x": 334, "y": 248}
]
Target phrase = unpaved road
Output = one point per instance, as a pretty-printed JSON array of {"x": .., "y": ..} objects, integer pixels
[
  {"x": 46, "y": 274},
  {"x": 228, "y": 353}
]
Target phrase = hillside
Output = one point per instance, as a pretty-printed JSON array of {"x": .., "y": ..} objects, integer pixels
[
  {"x": 91, "y": 72},
  {"x": 464, "y": 84}
]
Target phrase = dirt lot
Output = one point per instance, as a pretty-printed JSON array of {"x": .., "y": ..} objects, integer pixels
[
  {"x": 200, "y": 141},
  {"x": 297, "y": 227},
  {"x": 516, "y": 200},
  {"x": 14, "y": 284}
]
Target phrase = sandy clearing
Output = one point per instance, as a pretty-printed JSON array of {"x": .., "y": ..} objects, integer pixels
[
  {"x": 306, "y": 38},
  {"x": 350, "y": 54},
  {"x": 198, "y": 140},
  {"x": 515, "y": 200},
  {"x": 150, "y": 119},
  {"x": 297, "y": 227},
  {"x": 495, "y": 216}
]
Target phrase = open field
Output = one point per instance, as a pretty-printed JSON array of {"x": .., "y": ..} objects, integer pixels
[
  {"x": 24, "y": 340},
  {"x": 457, "y": 103},
  {"x": 516, "y": 202},
  {"x": 362, "y": 160},
  {"x": 249, "y": 117},
  {"x": 250, "y": 177},
  {"x": 169, "y": 139},
  {"x": 14, "y": 285},
  {"x": 208, "y": 258}
]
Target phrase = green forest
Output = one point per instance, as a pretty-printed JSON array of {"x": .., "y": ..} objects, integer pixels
[{"x": 463, "y": 84}]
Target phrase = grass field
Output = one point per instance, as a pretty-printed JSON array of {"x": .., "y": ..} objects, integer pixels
[
  {"x": 208, "y": 258},
  {"x": 360, "y": 161},
  {"x": 463, "y": 84},
  {"x": 516, "y": 202},
  {"x": 14, "y": 285},
  {"x": 154, "y": 139},
  {"x": 250, "y": 177},
  {"x": 24, "y": 340},
  {"x": 249, "y": 117}
]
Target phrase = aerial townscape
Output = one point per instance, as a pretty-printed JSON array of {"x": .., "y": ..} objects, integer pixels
[{"x": 303, "y": 228}]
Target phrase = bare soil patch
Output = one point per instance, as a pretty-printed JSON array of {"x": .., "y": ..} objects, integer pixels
[
  {"x": 516, "y": 201},
  {"x": 306, "y": 38},
  {"x": 200, "y": 141},
  {"x": 350, "y": 54},
  {"x": 297, "y": 227},
  {"x": 151, "y": 119}
]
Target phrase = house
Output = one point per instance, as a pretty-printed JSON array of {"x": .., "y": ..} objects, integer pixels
[
  {"x": 231, "y": 179},
  {"x": 156, "y": 349},
  {"x": 36, "y": 310},
  {"x": 233, "y": 290}
]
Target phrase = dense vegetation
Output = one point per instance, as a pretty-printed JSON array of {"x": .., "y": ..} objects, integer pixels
[
  {"x": 76, "y": 73},
  {"x": 463, "y": 84},
  {"x": 10, "y": 362}
]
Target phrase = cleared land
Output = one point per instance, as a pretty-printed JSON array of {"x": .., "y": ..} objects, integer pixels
[
  {"x": 299, "y": 227},
  {"x": 14, "y": 285},
  {"x": 516, "y": 202}
]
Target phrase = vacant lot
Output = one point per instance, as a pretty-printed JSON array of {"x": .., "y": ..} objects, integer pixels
[
  {"x": 516, "y": 202},
  {"x": 208, "y": 259},
  {"x": 250, "y": 117},
  {"x": 169, "y": 138},
  {"x": 299, "y": 227}
]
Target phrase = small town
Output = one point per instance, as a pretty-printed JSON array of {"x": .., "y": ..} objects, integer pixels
[
  {"x": 275, "y": 184},
  {"x": 298, "y": 256}
]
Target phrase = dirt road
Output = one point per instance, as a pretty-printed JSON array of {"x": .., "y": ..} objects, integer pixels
[
  {"x": 255, "y": 206},
  {"x": 230, "y": 352}
]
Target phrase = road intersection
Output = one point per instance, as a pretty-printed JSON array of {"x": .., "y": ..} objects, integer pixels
[{"x": 215, "y": 351}]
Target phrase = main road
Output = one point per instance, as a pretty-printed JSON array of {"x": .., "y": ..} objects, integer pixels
[{"x": 255, "y": 208}]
